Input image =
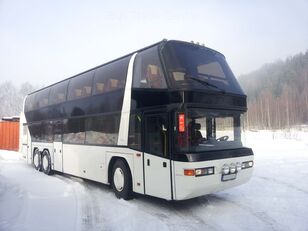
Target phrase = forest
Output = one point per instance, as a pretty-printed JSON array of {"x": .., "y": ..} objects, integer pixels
[
  {"x": 277, "y": 94},
  {"x": 12, "y": 97}
]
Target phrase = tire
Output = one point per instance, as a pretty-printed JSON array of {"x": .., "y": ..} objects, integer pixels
[
  {"x": 121, "y": 181},
  {"x": 46, "y": 163},
  {"x": 37, "y": 160}
]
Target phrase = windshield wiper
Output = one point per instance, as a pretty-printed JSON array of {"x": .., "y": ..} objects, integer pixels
[{"x": 204, "y": 82}]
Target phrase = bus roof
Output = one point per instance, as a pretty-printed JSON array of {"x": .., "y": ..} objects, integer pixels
[{"x": 164, "y": 41}]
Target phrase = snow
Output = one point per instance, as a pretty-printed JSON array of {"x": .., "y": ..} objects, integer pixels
[{"x": 276, "y": 198}]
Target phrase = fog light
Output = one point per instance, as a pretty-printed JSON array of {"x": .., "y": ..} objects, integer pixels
[
  {"x": 232, "y": 168},
  {"x": 210, "y": 171},
  {"x": 238, "y": 166},
  {"x": 247, "y": 164},
  {"x": 225, "y": 169}
]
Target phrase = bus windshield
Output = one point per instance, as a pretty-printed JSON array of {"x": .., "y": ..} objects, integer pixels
[
  {"x": 202, "y": 130},
  {"x": 193, "y": 66}
]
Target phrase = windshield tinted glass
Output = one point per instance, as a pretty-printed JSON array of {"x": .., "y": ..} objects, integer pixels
[
  {"x": 203, "y": 130},
  {"x": 198, "y": 67}
]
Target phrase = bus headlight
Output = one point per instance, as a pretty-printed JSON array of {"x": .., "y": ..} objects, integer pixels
[
  {"x": 225, "y": 169},
  {"x": 232, "y": 168},
  {"x": 199, "y": 171},
  {"x": 204, "y": 171}
]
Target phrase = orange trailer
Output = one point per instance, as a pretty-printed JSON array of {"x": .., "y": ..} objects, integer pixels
[{"x": 9, "y": 135}]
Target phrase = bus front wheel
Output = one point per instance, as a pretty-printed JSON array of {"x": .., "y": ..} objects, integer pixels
[
  {"x": 37, "y": 159},
  {"x": 121, "y": 180}
]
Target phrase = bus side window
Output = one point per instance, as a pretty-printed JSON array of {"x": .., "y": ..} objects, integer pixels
[
  {"x": 57, "y": 130},
  {"x": 134, "y": 135},
  {"x": 58, "y": 93},
  {"x": 103, "y": 129},
  {"x": 74, "y": 131},
  {"x": 156, "y": 134},
  {"x": 148, "y": 70},
  {"x": 80, "y": 86},
  {"x": 110, "y": 77}
]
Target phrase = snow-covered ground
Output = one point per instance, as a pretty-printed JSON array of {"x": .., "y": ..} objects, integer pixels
[{"x": 276, "y": 198}]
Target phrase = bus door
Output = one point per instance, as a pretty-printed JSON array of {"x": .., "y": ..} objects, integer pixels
[
  {"x": 156, "y": 156},
  {"x": 57, "y": 146},
  {"x": 26, "y": 144}
]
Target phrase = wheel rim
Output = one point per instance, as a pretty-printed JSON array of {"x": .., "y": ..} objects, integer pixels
[
  {"x": 36, "y": 160},
  {"x": 45, "y": 162},
  {"x": 118, "y": 179}
]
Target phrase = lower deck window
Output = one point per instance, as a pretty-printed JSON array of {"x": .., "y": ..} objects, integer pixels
[{"x": 102, "y": 130}]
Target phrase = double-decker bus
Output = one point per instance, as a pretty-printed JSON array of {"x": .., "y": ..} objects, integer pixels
[{"x": 164, "y": 121}]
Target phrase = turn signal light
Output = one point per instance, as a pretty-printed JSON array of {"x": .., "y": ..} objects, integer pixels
[{"x": 189, "y": 172}]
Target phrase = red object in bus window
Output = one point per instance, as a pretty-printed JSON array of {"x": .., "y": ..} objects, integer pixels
[{"x": 181, "y": 123}]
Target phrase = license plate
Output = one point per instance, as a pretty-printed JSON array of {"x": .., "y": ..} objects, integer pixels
[{"x": 228, "y": 177}]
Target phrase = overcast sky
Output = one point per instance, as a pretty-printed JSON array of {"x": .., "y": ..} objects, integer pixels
[{"x": 46, "y": 41}]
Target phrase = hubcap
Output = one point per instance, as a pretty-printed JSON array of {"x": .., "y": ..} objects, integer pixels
[
  {"x": 118, "y": 179},
  {"x": 45, "y": 162}
]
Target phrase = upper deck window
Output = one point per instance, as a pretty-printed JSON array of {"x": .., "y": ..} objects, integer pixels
[
  {"x": 29, "y": 103},
  {"x": 41, "y": 98},
  {"x": 148, "y": 71},
  {"x": 198, "y": 67},
  {"x": 58, "y": 93},
  {"x": 111, "y": 77},
  {"x": 80, "y": 86}
]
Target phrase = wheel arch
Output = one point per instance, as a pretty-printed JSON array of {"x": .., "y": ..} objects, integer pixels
[{"x": 111, "y": 164}]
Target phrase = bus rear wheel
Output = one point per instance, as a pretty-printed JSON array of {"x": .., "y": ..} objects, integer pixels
[
  {"x": 46, "y": 163},
  {"x": 121, "y": 180},
  {"x": 37, "y": 159}
]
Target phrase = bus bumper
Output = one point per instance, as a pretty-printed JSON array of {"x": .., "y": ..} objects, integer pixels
[{"x": 186, "y": 187}]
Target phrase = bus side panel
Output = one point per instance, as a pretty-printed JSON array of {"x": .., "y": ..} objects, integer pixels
[
  {"x": 85, "y": 161},
  {"x": 187, "y": 187}
]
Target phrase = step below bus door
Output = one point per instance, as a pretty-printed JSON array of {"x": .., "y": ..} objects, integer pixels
[
  {"x": 58, "y": 148},
  {"x": 156, "y": 158}
]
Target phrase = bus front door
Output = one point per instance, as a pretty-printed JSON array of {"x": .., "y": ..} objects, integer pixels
[
  {"x": 156, "y": 156},
  {"x": 57, "y": 147}
]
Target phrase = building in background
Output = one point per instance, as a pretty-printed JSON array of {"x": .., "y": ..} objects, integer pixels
[{"x": 9, "y": 133}]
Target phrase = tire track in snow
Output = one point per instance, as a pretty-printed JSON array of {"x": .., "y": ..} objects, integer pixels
[
  {"x": 177, "y": 215},
  {"x": 288, "y": 185},
  {"x": 260, "y": 215},
  {"x": 89, "y": 213}
]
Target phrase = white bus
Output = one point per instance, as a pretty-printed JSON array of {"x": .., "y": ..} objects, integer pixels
[{"x": 163, "y": 121}]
